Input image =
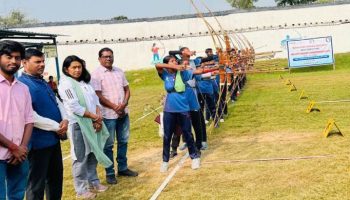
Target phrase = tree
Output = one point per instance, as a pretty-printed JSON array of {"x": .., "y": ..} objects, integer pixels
[
  {"x": 242, "y": 4},
  {"x": 293, "y": 2},
  {"x": 121, "y": 17},
  {"x": 325, "y": 1},
  {"x": 16, "y": 17}
]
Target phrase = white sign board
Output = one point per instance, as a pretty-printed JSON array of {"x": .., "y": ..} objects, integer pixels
[
  {"x": 310, "y": 52},
  {"x": 50, "y": 51}
]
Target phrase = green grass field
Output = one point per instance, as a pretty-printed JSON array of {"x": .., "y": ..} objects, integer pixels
[{"x": 268, "y": 121}]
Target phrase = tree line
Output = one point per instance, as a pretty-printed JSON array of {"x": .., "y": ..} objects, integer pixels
[
  {"x": 248, "y": 4},
  {"x": 16, "y": 17}
]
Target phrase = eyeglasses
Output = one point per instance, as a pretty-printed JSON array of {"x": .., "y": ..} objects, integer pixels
[{"x": 105, "y": 57}]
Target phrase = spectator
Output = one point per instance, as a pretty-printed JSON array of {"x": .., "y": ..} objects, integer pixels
[
  {"x": 113, "y": 91},
  {"x": 16, "y": 123}
]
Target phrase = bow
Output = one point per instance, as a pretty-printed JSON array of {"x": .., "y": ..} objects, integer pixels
[{"x": 227, "y": 58}]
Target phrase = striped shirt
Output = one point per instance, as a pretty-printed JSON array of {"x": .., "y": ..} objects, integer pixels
[
  {"x": 15, "y": 112},
  {"x": 111, "y": 83}
]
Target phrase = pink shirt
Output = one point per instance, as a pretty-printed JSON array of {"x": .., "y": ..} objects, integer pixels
[
  {"x": 111, "y": 83},
  {"x": 155, "y": 50},
  {"x": 15, "y": 112}
]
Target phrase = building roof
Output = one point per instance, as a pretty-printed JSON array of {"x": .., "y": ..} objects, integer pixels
[{"x": 12, "y": 34}]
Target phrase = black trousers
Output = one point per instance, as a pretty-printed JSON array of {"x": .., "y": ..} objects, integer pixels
[
  {"x": 222, "y": 103},
  {"x": 243, "y": 79},
  {"x": 171, "y": 120},
  {"x": 198, "y": 125},
  {"x": 233, "y": 88},
  {"x": 218, "y": 108},
  {"x": 207, "y": 104},
  {"x": 45, "y": 173}
]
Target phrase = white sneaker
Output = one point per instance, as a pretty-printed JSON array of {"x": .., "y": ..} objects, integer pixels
[
  {"x": 164, "y": 167},
  {"x": 204, "y": 146},
  {"x": 98, "y": 188},
  {"x": 86, "y": 195},
  {"x": 222, "y": 120},
  {"x": 196, "y": 163},
  {"x": 206, "y": 121},
  {"x": 183, "y": 147}
]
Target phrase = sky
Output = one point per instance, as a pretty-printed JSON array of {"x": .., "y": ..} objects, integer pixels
[{"x": 74, "y": 10}]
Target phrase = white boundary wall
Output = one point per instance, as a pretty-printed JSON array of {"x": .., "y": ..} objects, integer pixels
[{"x": 273, "y": 27}]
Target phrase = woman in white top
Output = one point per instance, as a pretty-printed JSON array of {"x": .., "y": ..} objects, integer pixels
[{"x": 85, "y": 124}]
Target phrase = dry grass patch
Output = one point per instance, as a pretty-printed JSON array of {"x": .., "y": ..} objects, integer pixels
[
  {"x": 268, "y": 121},
  {"x": 320, "y": 178}
]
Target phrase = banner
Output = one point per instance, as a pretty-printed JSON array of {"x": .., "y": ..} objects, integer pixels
[
  {"x": 310, "y": 52},
  {"x": 50, "y": 51}
]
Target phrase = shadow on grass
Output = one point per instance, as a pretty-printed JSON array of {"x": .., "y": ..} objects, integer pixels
[
  {"x": 312, "y": 69},
  {"x": 315, "y": 110},
  {"x": 335, "y": 134}
]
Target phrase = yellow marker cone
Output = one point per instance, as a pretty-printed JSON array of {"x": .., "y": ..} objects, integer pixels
[
  {"x": 288, "y": 82},
  {"x": 303, "y": 95},
  {"x": 311, "y": 108},
  {"x": 330, "y": 124},
  {"x": 292, "y": 88}
]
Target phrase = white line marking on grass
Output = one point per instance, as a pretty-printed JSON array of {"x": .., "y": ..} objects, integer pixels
[
  {"x": 336, "y": 101},
  {"x": 169, "y": 177},
  {"x": 268, "y": 159},
  {"x": 65, "y": 158},
  {"x": 142, "y": 117}
]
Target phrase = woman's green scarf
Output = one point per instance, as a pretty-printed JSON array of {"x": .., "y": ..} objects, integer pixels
[{"x": 96, "y": 140}]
